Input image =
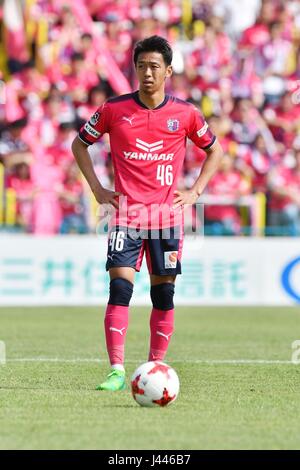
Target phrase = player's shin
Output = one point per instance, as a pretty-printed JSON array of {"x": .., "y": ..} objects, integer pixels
[
  {"x": 116, "y": 320},
  {"x": 161, "y": 321}
]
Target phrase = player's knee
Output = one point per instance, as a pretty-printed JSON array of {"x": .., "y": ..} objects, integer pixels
[
  {"x": 120, "y": 292},
  {"x": 162, "y": 296}
]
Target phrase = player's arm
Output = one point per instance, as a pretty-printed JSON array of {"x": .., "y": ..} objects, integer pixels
[
  {"x": 200, "y": 134},
  {"x": 210, "y": 166},
  {"x": 83, "y": 159},
  {"x": 90, "y": 132}
]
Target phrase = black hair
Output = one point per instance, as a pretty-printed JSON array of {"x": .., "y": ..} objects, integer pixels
[
  {"x": 86, "y": 36},
  {"x": 18, "y": 124},
  {"x": 274, "y": 23},
  {"x": 67, "y": 125},
  {"x": 154, "y": 44},
  {"x": 77, "y": 56},
  {"x": 100, "y": 88},
  {"x": 30, "y": 64}
]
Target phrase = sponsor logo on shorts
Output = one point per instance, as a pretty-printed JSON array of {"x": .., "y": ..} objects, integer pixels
[{"x": 170, "y": 259}]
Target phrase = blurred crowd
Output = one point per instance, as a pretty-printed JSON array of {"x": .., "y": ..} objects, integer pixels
[{"x": 237, "y": 60}]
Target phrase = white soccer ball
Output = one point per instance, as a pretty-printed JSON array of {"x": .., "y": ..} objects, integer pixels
[{"x": 154, "y": 384}]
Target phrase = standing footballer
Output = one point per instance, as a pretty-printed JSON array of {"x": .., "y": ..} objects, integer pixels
[{"x": 148, "y": 131}]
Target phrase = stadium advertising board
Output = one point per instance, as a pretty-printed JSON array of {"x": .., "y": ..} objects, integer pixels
[{"x": 216, "y": 271}]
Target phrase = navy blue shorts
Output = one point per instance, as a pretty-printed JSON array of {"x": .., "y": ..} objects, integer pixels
[{"x": 163, "y": 249}]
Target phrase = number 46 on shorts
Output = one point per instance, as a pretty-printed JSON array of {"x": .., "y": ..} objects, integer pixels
[{"x": 116, "y": 241}]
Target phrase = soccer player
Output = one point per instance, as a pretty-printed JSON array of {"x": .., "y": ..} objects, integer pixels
[{"x": 148, "y": 131}]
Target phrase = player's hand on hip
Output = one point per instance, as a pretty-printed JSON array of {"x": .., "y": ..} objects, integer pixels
[
  {"x": 106, "y": 196},
  {"x": 186, "y": 196}
]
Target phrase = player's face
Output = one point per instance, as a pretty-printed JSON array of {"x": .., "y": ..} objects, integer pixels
[{"x": 152, "y": 72}]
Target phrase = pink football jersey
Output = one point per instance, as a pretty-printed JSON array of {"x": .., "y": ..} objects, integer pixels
[{"x": 147, "y": 145}]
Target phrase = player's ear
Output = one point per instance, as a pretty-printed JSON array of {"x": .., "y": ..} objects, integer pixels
[{"x": 169, "y": 71}]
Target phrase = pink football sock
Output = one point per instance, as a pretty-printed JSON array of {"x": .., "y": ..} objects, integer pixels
[
  {"x": 116, "y": 323},
  {"x": 161, "y": 327}
]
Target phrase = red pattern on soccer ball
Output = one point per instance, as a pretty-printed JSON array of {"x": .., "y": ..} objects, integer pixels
[
  {"x": 135, "y": 389},
  {"x": 160, "y": 368},
  {"x": 165, "y": 400}
]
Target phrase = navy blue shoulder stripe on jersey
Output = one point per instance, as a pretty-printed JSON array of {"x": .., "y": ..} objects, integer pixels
[
  {"x": 118, "y": 99},
  {"x": 174, "y": 99},
  {"x": 136, "y": 98},
  {"x": 209, "y": 145}
]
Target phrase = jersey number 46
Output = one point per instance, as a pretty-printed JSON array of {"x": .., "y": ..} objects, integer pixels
[{"x": 165, "y": 175}]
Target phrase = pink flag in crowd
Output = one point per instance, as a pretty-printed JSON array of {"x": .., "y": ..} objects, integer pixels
[
  {"x": 47, "y": 179},
  {"x": 13, "y": 110},
  {"x": 16, "y": 46},
  {"x": 116, "y": 78}
]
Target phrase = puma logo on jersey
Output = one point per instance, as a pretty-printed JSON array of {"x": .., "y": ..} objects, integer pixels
[
  {"x": 112, "y": 328},
  {"x": 159, "y": 333},
  {"x": 128, "y": 119}
]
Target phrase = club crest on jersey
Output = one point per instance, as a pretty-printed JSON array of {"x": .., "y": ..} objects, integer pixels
[
  {"x": 95, "y": 118},
  {"x": 173, "y": 125}
]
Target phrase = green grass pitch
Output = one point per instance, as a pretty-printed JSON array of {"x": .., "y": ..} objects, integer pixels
[{"x": 224, "y": 403}]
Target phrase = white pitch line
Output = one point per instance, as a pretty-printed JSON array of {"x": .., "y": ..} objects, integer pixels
[{"x": 137, "y": 361}]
